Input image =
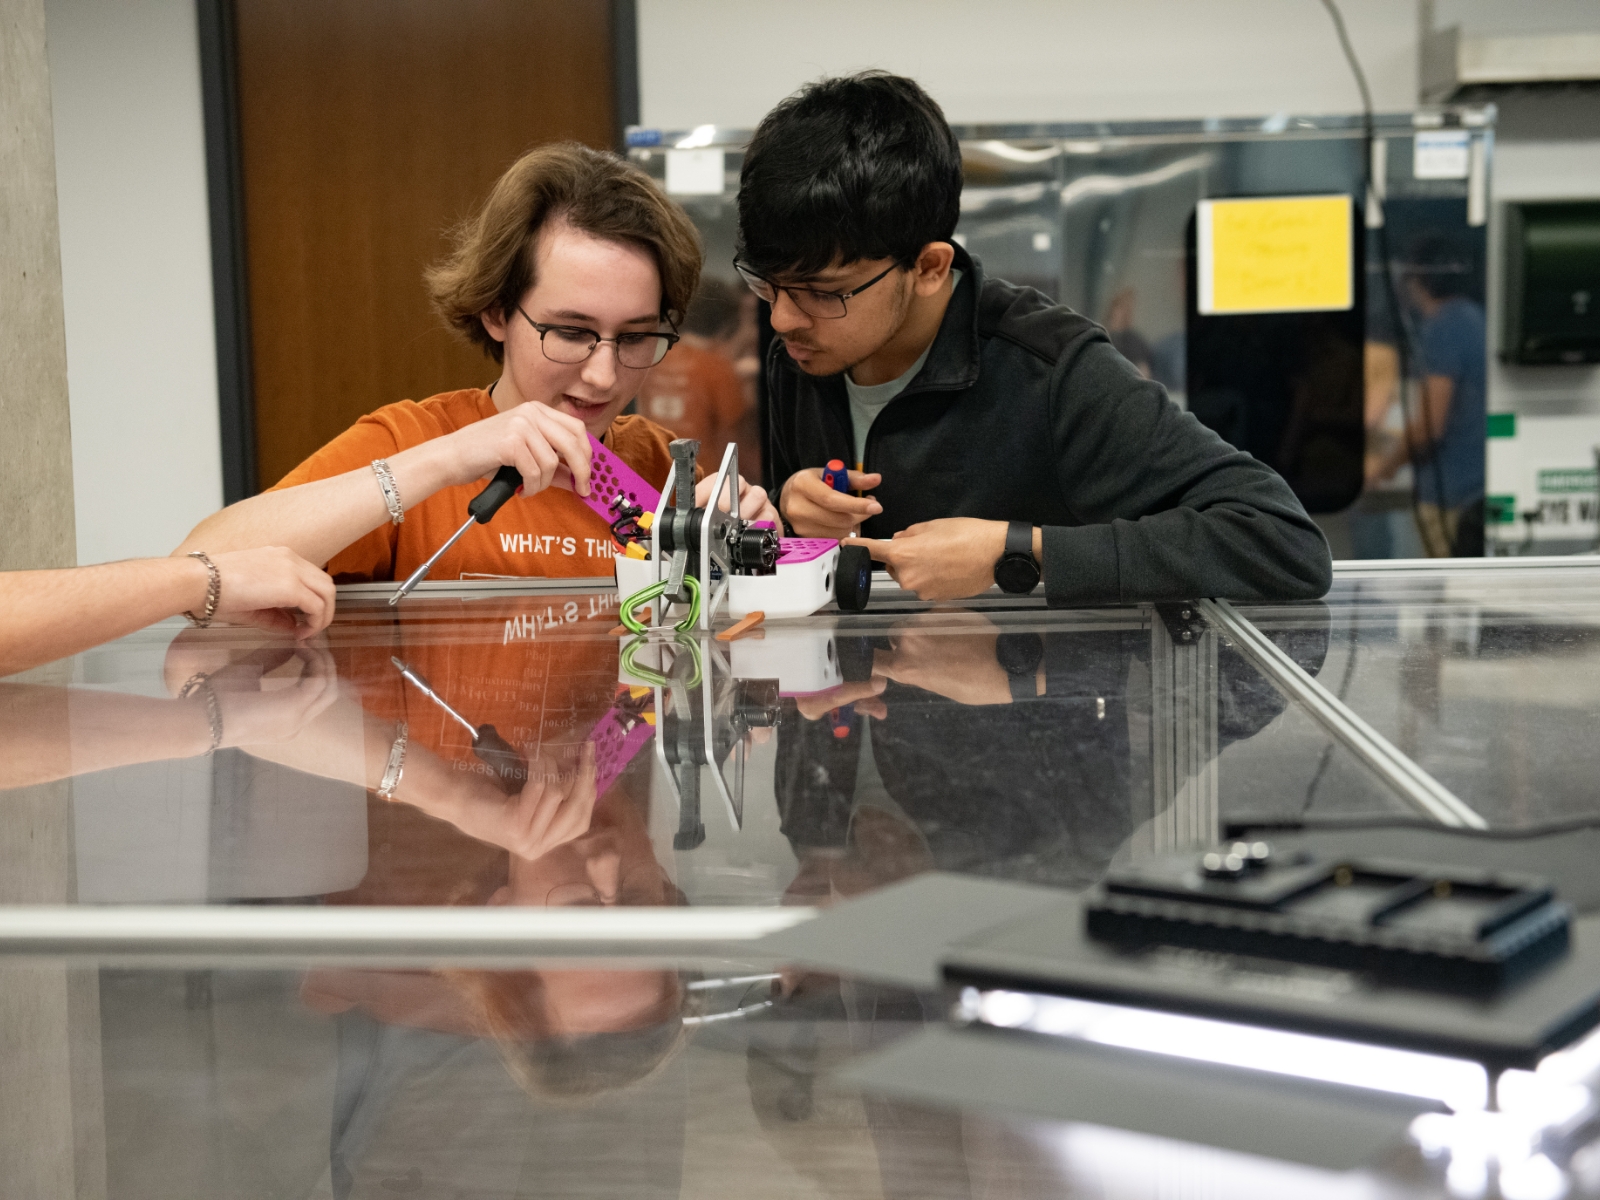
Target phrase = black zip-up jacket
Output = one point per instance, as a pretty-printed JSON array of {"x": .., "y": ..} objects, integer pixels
[{"x": 1024, "y": 412}]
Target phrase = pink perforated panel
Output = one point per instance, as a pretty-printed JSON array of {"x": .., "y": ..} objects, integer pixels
[
  {"x": 617, "y": 737},
  {"x": 799, "y": 550},
  {"x": 609, "y": 475}
]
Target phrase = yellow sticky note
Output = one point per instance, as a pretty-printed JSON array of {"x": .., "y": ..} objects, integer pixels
[{"x": 1274, "y": 254}]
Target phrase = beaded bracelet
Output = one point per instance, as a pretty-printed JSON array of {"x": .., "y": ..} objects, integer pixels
[{"x": 213, "y": 592}]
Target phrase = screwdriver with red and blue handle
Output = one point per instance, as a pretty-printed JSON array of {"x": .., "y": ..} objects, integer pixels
[
  {"x": 835, "y": 476},
  {"x": 507, "y": 482}
]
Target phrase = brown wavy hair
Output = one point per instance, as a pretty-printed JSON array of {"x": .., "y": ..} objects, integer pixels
[{"x": 492, "y": 264}]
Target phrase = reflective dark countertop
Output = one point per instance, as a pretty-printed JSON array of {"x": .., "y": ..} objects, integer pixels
[
  {"x": 553, "y": 769},
  {"x": 850, "y": 753}
]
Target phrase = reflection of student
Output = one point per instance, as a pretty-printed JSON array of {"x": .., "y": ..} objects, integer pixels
[
  {"x": 1037, "y": 786},
  {"x": 1447, "y": 434},
  {"x": 552, "y": 1068},
  {"x": 50, "y": 733},
  {"x": 547, "y": 1065},
  {"x": 448, "y": 832},
  {"x": 696, "y": 391}
]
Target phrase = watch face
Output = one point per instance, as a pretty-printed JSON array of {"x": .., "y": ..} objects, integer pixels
[{"x": 1017, "y": 573}]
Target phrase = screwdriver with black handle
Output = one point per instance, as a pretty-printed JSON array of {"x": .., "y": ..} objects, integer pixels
[
  {"x": 500, "y": 756},
  {"x": 507, "y": 482}
]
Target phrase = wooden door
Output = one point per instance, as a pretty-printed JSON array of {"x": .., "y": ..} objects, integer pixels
[{"x": 367, "y": 129}]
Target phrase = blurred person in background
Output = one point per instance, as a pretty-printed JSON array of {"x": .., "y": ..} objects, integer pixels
[
  {"x": 696, "y": 391},
  {"x": 1129, "y": 342},
  {"x": 1445, "y": 438}
]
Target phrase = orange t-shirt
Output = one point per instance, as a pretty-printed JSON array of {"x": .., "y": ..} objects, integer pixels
[
  {"x": 551, "y": 533},
  {"x": 695, "y": 393}
]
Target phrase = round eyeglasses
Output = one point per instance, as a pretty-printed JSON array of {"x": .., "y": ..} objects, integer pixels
[
  {"x": 570, "y": 344},
  {"x": 827, "y": 306}
]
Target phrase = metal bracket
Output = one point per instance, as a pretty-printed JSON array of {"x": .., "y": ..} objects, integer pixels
[{"x": 1184, "y": 621}]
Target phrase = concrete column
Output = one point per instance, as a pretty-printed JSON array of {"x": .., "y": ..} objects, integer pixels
[
  {"x": 52, "y": 1128},
  {"x": 52, "y": 1098},
  {"x": 35, "y": 427}
]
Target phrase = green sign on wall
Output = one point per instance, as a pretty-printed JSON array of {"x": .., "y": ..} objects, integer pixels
[{"x": 1567, "y": 480}]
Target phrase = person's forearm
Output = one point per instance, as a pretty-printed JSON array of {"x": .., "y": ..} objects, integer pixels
[
  {"x": 318, "y": 519},
  {"x": 1184, "y": 515},
  {"x": 1230, "y": 550},
  {"x": 51, "y": 733},
  {"x": 1427, "y": 425},
  {"x": 348, "y": 743},
  {"x": 53, "y": 614}
]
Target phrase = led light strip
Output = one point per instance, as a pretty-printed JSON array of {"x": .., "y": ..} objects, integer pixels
[{"x": 1456, "y": 1082}]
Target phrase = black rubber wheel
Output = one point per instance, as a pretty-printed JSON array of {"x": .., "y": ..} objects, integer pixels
[{"x": 852, "y": 579}]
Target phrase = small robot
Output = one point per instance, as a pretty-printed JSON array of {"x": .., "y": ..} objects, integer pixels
[{"x": 681, "y": 553}]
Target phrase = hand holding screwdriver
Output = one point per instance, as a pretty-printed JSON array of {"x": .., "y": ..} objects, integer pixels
[
  {"x": 813, "y": 508},
  {"x": 507, "y": 482},
  {"x": 548, "y": 444}
]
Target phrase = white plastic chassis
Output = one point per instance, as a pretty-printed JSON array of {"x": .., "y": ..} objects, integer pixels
[{"x": 795, "y": 590}]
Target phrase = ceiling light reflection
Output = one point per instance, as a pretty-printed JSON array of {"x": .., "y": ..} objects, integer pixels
[{"x": 700, "y": 135}]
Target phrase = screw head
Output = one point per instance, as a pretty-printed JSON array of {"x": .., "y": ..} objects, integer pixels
[
  {"x": 1254, "y": 854},
  {"x": 1217, "y": 865}
]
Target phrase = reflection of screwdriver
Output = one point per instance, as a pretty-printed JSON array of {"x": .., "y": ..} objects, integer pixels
[
  {"x": 510, "y": 768},
  {"x": 507, "y": 482},
  {"x": 843, "y": 720}
]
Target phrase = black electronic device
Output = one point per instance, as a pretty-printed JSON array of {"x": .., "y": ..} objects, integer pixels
[
  {"x": 1552, "y": 283},
  {"x": 1438, "y": 928},
  {"x": 1017, "y": 572}
]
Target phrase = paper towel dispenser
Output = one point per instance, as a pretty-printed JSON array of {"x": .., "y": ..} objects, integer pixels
[{"x": 1552, "y": 290}]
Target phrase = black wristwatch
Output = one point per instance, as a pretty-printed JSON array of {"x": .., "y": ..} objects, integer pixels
[
  {"x": 1020, "y": 654},
  {"x": 1016, "y": 572}
]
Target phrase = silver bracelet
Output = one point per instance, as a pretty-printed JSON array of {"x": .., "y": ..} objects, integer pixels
[
  {"x": 391, "y": 493},
  {"x": 396, "y": 769},
  {"x": 201, "y": 682},
  {"x": 213, "y": 592}
]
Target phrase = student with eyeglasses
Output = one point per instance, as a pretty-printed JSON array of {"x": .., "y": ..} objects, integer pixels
[
  {"x": 998, "y": 437},
  {"x": 572, "y": 277}
]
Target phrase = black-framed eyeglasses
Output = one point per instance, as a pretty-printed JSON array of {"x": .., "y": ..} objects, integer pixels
[
  {"x": 828, "y": 306},
  {"x": 570, "y": 344}
]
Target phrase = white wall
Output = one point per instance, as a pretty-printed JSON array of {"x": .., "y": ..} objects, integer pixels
[
  {"x": 136, "y": 272},
  {"x": 727, "y": 61}
]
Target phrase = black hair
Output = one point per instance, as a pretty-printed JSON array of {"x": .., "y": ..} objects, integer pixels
[
  {"x": 1439, "y": 267},
  {"x": 859, "y": 167}
]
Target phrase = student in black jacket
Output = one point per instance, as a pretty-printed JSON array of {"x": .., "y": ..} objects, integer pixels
[{"x": 996, "y": 436}]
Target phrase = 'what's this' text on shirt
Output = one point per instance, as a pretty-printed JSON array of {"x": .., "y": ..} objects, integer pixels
[{"x": 551, "y": 534}]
